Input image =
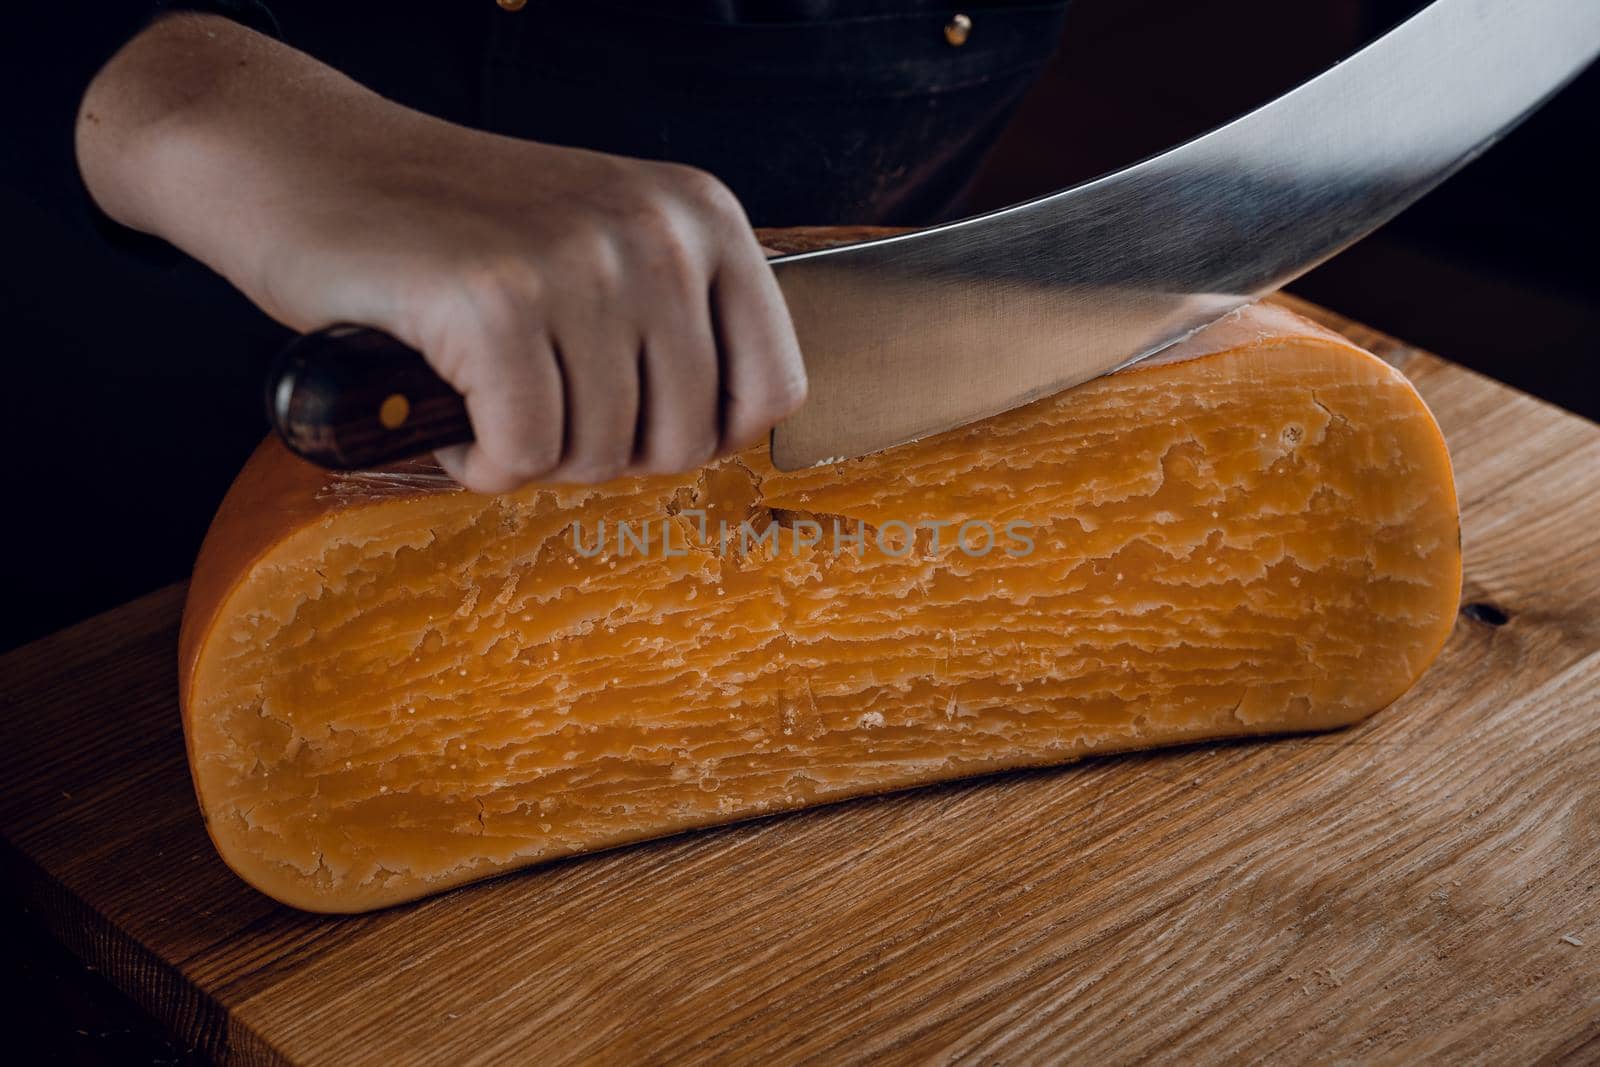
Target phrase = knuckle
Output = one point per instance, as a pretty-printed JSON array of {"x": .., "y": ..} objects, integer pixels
[
  {"x": 602, "y": 458},
  {"x": 778, "y": 396},
  {"x": 501, "y": 294},
  {"x": 534, "y": 459},
  {"x": 755, "y": 413},
  {"x": 649, "y": 214},
  {"x": 669, "y": 252},
  {"x": 659, "y": 235},
  {"x": 706, "y": 192},
  {"x": 532, "y": 465},
  {"x": 525, "y": 452},
  {"x": 491, "y": 483},
  {"x": 794, "y": 393},
  {"x": 590, "y": 256}
]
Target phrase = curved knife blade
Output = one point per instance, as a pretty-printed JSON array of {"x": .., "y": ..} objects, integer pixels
[{"x": 911, "y": 335}]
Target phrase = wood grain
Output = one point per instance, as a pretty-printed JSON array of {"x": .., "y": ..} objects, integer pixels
[{"x": 1396, "y": 892}]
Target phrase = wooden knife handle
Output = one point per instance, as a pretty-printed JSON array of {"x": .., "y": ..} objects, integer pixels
[{"x": 350, "y": 397}]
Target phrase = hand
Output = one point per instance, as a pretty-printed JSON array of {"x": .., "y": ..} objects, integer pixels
[{"x": 602, "y": 316}]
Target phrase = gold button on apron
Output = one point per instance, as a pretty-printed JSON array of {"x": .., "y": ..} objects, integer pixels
[
  {"x": 512, "y": 5},
  {"x": 955, "y": 31}
]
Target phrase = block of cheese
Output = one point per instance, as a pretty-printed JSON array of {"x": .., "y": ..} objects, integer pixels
[{"x": 392, "y": 687}]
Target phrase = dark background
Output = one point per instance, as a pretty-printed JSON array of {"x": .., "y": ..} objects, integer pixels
[{"x": 113, "y": 482}]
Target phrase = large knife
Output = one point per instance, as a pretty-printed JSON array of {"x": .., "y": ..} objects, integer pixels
[{"x": 919, "y": 333}]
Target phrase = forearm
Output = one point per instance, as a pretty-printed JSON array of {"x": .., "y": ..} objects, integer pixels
[{"x": 200, "y": 129}]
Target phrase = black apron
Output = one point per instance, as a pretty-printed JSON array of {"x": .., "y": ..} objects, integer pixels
[
  {"x": 812, "y": 111},
  {"x": 872, "y": 117}
]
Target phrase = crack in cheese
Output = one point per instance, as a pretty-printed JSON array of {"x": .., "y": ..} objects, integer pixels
[{"x": 392, "y": 687}]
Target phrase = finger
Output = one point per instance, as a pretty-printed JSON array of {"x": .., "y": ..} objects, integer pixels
[
  {"x": 762, "y": 376},
  {"x": 515, "y": 402},
  {"x": 678, "y": 379},
  {"x": 599, "y": 359},
  {"x": 452, "y": 460}
]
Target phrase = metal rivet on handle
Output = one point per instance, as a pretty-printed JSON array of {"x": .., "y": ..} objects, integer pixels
[
  {"x": 396, "y": 408},
  {"x": 957, "y": 30}
]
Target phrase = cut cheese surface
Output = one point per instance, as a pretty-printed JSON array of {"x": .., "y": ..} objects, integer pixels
[{"x": 392, "y": 687}]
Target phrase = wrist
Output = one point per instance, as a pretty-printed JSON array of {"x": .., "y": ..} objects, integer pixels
[
  {"x": 150, "y": 86},
  {"x": 199, "y": 127}
]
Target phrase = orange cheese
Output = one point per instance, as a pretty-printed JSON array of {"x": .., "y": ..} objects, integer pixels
[{"x": 392, "y": 687}]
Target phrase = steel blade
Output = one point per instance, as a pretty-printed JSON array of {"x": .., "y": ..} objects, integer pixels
[{"x": 916, "y": 334}]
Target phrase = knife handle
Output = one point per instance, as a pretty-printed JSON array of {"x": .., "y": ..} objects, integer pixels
[{"x": 351, "y": 397}]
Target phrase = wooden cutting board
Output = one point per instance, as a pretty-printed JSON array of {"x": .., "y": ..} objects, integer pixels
[{"x": 1423, "y": 886}]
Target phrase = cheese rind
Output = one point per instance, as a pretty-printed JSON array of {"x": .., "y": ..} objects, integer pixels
[{"x": 392, "y": 687}]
